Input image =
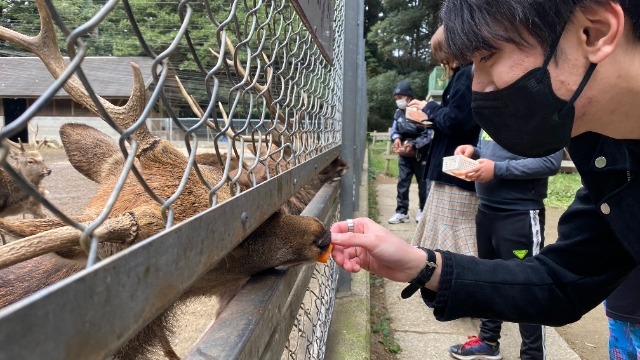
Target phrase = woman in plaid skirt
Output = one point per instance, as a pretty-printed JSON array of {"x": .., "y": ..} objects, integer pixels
[{"x": 448, "y": 219}]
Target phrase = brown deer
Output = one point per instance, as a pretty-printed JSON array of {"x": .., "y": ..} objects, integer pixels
[
  {"x": 282, "y": 240},
  {"x": 14, "y": 199}
]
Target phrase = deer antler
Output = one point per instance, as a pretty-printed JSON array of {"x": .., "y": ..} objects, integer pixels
[
  {"x": 124, "y": 229},
  {"x": 33, "y": 140},
  {"x": 264, "y": 90},
  {"x": 45, "y": 46}
]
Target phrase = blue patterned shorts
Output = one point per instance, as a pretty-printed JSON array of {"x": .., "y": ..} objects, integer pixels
[{"x": 624, "y": 340}]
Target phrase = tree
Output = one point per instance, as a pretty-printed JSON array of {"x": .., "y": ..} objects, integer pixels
[
  {"x": 397, "y": 47},
  {"x": 380, "y": 96}
]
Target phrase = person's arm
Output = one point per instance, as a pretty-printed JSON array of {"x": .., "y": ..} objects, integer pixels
[
  {"x": 555, "y": 287},
  {"x": 529, "y": 168},
  {"x": 394, "y": 132},
  {"x": 457, "y": 115}
]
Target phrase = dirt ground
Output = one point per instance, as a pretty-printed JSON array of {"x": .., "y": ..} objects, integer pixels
[{"x": 588, "y": 337}]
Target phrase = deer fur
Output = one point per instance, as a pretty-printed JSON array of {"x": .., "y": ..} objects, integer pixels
[{"x": 14, "y": 199}]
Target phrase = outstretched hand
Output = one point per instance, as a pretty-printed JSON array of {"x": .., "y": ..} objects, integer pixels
[{"x": 374, "y": 248}]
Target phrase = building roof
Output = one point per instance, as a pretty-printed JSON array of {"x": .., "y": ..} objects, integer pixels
[{"x": 26, "y": 77}]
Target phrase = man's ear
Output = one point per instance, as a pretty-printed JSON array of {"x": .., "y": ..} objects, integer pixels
[{"x": 602, "y": 29}]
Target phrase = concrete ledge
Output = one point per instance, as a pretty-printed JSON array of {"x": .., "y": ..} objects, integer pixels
[{"x": 350, "y": 332}]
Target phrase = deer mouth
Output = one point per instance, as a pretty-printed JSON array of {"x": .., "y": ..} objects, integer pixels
[{"x": 324, "y": 241}]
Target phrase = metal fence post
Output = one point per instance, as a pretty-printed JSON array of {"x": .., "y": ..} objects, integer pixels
[{"x": 353, "y": 115}]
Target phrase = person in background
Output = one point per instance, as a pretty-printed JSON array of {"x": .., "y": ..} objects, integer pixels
[
  {"x": 412, "y": 161},
  {"x": 448, "y": 220},
  {"x": 622, "y": 308},
  {"x": 547, "y": 74},
  {"x": 509, "y": 225}
]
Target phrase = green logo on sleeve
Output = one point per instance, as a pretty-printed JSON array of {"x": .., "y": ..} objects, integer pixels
[
  {"x": 520, "y": 254},
  {"x": 485, "y": 136}
]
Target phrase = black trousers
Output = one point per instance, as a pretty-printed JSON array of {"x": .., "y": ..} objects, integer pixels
[
  {"x": 511, "y": 234},
  {"x": 408, "y": 167}
]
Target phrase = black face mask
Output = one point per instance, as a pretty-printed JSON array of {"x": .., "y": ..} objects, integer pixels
[{"x": 527, "y": 118}]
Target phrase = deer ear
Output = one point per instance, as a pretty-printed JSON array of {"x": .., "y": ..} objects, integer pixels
[{"x": 84, "y": 145}]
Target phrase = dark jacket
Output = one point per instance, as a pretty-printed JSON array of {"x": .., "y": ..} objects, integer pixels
[
  {"x": 598, "y": 244},
  {"x": 453, "y": 125},
  {"x": 404, "y": 129},
  {"x": 624, "y": 303}
]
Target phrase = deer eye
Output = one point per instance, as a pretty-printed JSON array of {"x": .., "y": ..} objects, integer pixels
[{"x": 30, "y": 161}]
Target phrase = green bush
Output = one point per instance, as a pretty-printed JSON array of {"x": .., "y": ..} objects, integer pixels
[
  {"x": 562, "y": 190},
  {"x": 377, "y": 163}
]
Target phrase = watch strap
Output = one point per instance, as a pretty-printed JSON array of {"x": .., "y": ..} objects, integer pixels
[{"x": 423, "y": 276}]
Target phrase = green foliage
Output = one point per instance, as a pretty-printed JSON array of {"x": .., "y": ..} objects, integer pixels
[
  {"x": 562, "y": 190},
  {"x": 159, "y": 23},
  {"x": 400, "y": 36},
  {"x": 372, "y": 197},
  {"x": 380, "y": 96},
  {"x": 380, "y": 323},
  {"x": 377, "y": 163},
  {"x": 397, "y": 35}
]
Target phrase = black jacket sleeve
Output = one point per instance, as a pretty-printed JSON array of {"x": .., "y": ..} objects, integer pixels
[{"x": 555, "y": 287}]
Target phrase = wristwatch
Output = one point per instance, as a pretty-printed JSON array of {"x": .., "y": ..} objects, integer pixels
[{"x": 423, "y": 277}]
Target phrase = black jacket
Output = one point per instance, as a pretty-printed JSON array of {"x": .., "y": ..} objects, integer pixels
[
  {"x": 598, "y": 244},
  {"x": 624, "y": 303},
  {"x": 453, "y": 125}
]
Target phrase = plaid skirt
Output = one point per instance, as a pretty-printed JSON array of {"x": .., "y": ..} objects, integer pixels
[{"x": 448, "y": 220}]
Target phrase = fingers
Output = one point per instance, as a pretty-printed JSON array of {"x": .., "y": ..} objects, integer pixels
[
  {"x": 347, "y": 258},
  {"x": 343, "y": 227},
  {"x": 464, "y": 150}
]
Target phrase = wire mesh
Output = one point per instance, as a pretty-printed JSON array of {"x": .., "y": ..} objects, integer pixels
[
  {"x": 243, "y": 82},
  {"x": 311, "y": 327}
]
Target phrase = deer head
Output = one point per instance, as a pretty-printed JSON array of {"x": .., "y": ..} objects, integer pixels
[{"x": 29, "y": 163}]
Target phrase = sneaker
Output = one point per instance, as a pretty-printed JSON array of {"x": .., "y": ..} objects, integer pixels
[
  {"x": 399, "y": 218},
  {"x": 419, "y": 216},
  {"x": 475, "y": 349}
]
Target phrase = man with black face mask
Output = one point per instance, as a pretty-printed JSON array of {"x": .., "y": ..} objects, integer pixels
[{"x": 545, "y": 72}]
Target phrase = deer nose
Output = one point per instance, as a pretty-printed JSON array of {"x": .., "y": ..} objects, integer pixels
[
  {"x": 47, "y": 172},
  {"x": 324, "y": 241}
]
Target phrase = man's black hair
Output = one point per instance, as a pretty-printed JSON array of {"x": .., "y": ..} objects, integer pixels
[{"x": 474, "y": 26}]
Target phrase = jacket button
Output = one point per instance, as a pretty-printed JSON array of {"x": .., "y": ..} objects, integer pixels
[
  {"x": 605, "y": 209},
  {"x": 601, "y": 162}
]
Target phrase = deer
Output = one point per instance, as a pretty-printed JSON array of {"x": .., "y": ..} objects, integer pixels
[
  {"x": 282, "y": 240},
  {"x": 14, "y": 199}
]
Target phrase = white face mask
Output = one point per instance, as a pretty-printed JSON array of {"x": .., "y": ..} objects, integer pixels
[{"x": 402, "y": 104}]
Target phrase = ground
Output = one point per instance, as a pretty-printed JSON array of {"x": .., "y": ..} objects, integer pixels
[
  {"x": 67, "y": 188},
  {"x": 588, "y": 337}
]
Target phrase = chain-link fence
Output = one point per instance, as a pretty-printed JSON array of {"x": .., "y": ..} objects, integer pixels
[{"x": 234, "y": 107}]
